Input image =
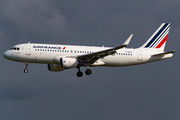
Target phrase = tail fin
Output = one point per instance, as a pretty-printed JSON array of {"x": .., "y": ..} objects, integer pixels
[{"x": 159, "y": 37}]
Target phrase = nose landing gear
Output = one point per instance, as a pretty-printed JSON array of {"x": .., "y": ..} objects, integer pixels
[{"x": 26, "y": 67}]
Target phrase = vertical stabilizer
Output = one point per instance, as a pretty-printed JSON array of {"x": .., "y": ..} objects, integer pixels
[{"x": 159, "y": 37}]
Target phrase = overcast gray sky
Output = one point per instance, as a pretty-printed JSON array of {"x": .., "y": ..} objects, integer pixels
[{"x": 144, "y": 92}]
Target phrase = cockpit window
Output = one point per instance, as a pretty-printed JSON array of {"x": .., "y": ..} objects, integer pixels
[{"x": 15, "y": 48}]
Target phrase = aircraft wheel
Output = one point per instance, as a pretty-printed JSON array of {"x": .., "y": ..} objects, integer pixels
[
  {"x": 88, "y": 72},
  {"x": 79, "y": 74},
  {"x": 25, "y": 70}
]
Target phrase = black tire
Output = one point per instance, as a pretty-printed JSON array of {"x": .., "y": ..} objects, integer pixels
[
  {"x": 25, "y": 70},
  {"x": 79, "y": 74},
  {"x": 88, "y": 72}
]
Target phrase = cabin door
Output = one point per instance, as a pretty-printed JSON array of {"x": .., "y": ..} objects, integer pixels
[
  {"x": 140, "y": 56},
  {"x": 28, "y": 50}
]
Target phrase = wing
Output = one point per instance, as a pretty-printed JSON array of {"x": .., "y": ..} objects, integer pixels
[{"x": 93, "y": 57}]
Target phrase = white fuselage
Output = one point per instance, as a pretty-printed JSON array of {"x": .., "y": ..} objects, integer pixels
[
  {"x": 60, "y": 57},
  {"x": 45, "y": 53}
]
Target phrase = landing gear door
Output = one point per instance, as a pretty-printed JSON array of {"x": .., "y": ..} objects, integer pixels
[
  {"x": 28, "y": 50},
  {"x": 140, "y": 55}
]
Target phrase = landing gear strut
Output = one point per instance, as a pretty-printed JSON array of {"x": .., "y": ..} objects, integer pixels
[
  {"x": 79, "y": 73},
  {"x": 88, "y": 71},
  {"x": 26, "y": 67}
]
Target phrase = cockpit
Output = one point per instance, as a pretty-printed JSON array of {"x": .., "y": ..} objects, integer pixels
[{"x": 15, "y": 48}]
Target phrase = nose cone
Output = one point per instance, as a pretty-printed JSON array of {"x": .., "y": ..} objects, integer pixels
[{"x": 7, "y": 55}]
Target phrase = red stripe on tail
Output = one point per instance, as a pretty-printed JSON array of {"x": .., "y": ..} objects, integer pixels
[{"x": 162, "y": 42}]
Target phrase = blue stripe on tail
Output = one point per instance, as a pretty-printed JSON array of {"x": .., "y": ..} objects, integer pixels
[
  {"x": 154, "y": 38},
  {"x": 160, "y": 36}
]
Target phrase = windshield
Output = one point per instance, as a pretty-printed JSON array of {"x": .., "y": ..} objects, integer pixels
[{"x": 15, "y": 48}]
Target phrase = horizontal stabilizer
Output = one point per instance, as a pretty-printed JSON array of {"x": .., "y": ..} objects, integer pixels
[{"x": 164, "y": 53}]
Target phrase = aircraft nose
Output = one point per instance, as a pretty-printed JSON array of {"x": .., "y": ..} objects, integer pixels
[{"x": 6, "y": 54}]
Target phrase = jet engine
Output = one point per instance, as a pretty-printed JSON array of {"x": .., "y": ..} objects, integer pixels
[
  {"x": 55, "y": 67},
  {"x": 68, "y": 62}
]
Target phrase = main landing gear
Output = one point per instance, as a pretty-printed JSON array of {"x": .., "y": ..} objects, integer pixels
[
  {"x": 80, "y": 74},
  {"x": 26, "y": 67}
]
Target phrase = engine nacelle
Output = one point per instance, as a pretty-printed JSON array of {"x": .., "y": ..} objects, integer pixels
[
  {"x": 55, "y": 67},
  {"x": 66, "y": 62},
  {"x": 69, "y": 62}
]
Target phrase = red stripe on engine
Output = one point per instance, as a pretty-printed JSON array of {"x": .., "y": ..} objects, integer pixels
[{"x": 162, "y": 42}]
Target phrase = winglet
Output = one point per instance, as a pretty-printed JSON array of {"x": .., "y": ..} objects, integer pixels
[
  {"x": 124, "y": 44},
  {"x": 128, "y": 40}
]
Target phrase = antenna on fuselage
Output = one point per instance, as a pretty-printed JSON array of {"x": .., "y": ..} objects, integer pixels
[{"x": 29, "y": 42}]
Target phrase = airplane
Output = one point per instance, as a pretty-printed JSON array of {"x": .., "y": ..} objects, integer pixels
[{"x": 62, "y": 57}]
